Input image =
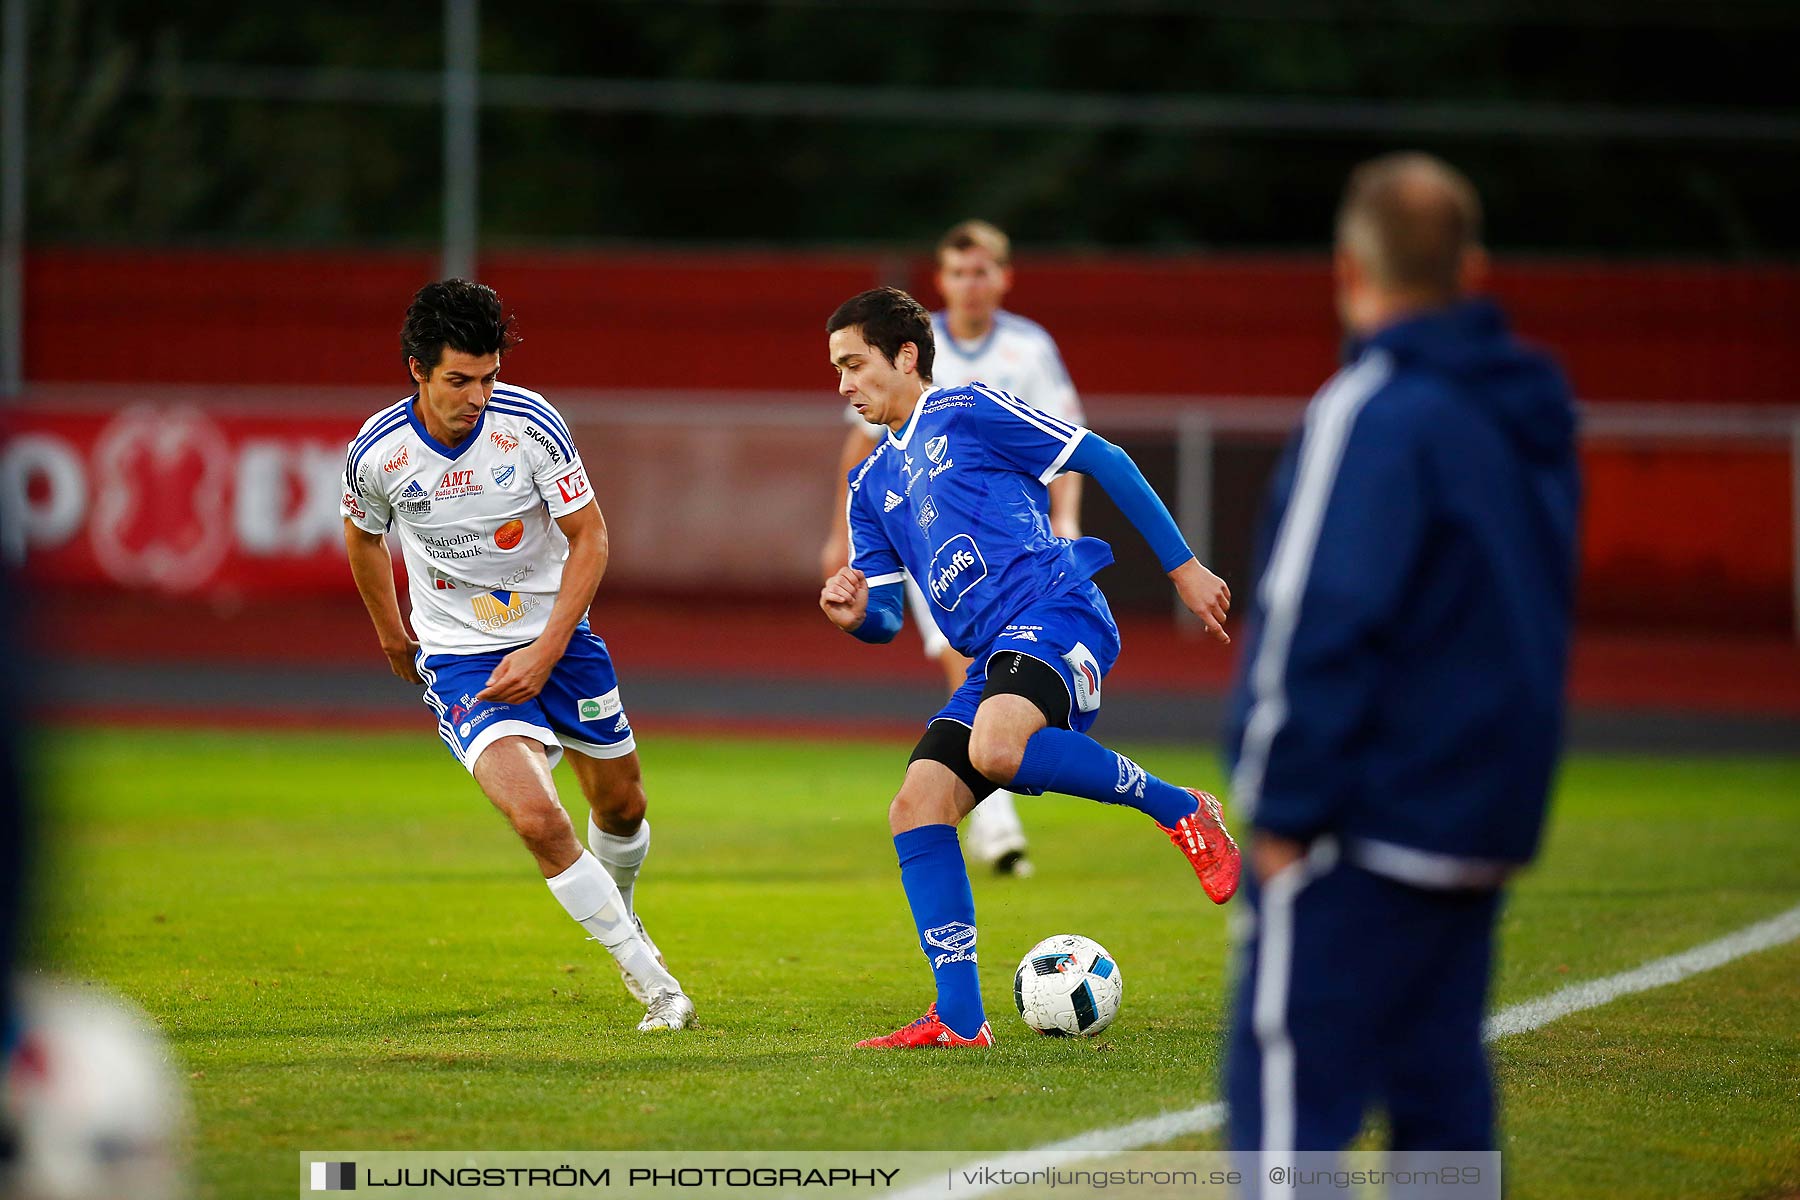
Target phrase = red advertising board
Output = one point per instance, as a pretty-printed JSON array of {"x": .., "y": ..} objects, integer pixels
[{"x": 177, "y": 499}]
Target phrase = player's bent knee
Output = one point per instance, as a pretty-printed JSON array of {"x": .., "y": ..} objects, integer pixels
[
  {"x": 541, "y": 826},
  {"x": 997, "y": 757},
  {"x": 620, "y": 804},
  {"x": 914, "y": 807}
]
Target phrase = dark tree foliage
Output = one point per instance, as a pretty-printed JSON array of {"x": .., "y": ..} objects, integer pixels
[{"x": 117, "y": 153}]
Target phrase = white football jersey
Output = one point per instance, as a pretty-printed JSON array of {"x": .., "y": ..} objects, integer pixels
[
  {"x": 1016, "y": 356},
  {"x": 476, "y": 523}
]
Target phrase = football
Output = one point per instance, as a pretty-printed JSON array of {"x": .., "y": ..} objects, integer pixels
[
  {"x": 1068, "y": 985},
  {"x": 94, "y": 1101}
]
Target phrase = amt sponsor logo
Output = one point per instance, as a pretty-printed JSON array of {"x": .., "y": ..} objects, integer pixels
[
  {"x": 955, "y": 568},
  {"x": 456, "y": 483}
]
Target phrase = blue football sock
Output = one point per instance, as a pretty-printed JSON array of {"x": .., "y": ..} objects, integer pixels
[
  {"x": 937, "y": 888},
  {"x": 1061, "y": 760}
]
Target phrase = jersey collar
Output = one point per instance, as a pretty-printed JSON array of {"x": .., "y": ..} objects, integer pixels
[
  {"x": 912, "y": 422},
  {"x": 450, "y": 452},
  {"x": 942, "y": 319}
]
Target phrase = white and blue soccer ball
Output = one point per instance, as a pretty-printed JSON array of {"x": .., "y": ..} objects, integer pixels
[
  {"x": 91, "y": 1101},
  {"x": 1067, "y": 986}
]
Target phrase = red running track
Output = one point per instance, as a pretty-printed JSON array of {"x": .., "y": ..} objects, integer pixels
[{"x": 781, "y": 639}]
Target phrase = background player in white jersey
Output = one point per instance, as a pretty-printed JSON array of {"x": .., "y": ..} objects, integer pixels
[
  {"x": 978, "y": 340},
  {"x": 504, "y": 545}
]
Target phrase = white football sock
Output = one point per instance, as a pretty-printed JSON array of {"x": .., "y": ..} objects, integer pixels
[
  {"x": 588, "y": 894},
  {"x": 622, "y": 857}
]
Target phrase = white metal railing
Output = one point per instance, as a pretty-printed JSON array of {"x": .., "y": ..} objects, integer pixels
[{"x": 1194, "y": 424}]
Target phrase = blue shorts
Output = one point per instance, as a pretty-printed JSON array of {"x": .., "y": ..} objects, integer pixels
[
  {"x": 1073, "y": 634},
  {"x": 579, "y": 708}
]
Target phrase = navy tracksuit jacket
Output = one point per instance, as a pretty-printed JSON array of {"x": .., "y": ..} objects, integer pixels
[{"x": 1399, "y": 707}]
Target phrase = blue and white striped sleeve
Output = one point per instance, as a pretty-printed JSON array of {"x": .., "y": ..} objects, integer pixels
[
  {"x": 365, "y": 504},
  {"x": 556, "y": 467},
  {"x": 1348, "y": 543},
  {"x": 870, "y": 550},
  {"x": 1021, "y": 436}
]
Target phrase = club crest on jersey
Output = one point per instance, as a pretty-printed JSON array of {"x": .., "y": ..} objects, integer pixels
[
  {"x": 505, "y": 441},
  {"x": 504, "y": 475},
  {"x": 957, "y": 939},
  {"x": 938, "y": 451},
  {"x": 956, "y": 567},
  {"x": 394, "y": 463},
  {"x": 894, "y": 500}
]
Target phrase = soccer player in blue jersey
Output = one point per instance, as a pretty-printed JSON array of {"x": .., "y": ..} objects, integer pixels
[
  {"x": 978, "y": 340},
  {"x": 955, "y": 494}
]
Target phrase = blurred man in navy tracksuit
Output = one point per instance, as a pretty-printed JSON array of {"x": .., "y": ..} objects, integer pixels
[{"x": 1399, "y": 706}]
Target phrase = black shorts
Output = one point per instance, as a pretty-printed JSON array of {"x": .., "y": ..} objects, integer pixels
[{"x": 1009, "y": 673}]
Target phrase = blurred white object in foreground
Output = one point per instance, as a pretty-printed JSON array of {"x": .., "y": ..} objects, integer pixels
[{"x": 94, "y": 1108}]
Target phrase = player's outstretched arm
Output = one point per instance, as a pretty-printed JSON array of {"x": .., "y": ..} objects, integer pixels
[
  {"x": 373, "y": 571},
  {"x": 1204, "y": 593}
]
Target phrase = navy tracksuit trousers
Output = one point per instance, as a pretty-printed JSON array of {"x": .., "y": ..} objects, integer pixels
[{"x": 1355, "y": 991}]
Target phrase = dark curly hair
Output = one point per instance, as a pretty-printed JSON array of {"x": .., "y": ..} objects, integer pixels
[
  {"x": 889, "y": 318},
  {"x": 467, "y": 317}
]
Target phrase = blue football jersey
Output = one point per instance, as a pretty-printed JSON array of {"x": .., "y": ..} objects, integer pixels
[{"x": 959, "y": 499}]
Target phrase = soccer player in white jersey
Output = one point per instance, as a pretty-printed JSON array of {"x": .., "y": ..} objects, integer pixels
[
  {"x": 504, "y": 545},
  {"x": 978, "y": 340}
]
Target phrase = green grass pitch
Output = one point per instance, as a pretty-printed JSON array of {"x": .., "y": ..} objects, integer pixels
[{"x": 349, "y": 950}]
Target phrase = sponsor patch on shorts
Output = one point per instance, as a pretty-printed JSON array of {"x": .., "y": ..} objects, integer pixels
[{"x": 597, "y": 708}]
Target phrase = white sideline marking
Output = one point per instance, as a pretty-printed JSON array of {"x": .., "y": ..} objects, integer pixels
[
  {"x": 1535, "y": 1014},
  {"x": 1517, "y": 1018}
]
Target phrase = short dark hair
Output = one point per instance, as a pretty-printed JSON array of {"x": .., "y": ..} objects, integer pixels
[
  {"x": 467, "y": 317},
  {"x": 1410, "y": 218},
  {"x": 889, "y": 318}
]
